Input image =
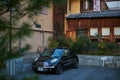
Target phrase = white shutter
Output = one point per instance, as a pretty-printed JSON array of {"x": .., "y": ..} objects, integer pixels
[
  {"x": 117, "y": 31},
  {"x": 93, "y": 31}
]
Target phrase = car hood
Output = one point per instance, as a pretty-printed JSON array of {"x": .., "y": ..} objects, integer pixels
[
  {"x": 56, "y": 54},
  {"x": 53, "y": 59}
]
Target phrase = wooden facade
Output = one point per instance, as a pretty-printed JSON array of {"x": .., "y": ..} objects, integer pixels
[
  {"x": 75, "y": 24},
  {"x": 88, "y": 21}
]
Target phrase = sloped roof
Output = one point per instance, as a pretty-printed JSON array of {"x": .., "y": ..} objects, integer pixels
[{"x": 98, "y": 14}]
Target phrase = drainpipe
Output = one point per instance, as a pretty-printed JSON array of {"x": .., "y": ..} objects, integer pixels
[{"x": 42, "y": 37}]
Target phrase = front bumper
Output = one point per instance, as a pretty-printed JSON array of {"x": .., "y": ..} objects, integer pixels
[{"x": 42, "y": 68}]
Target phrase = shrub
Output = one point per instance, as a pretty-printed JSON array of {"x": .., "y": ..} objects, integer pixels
[
  {"x": 81, "y": 45},
  {"x": 60, "y": 41},
  {"x": 102, "y": 48},
  {"x": 34, "y": 77},
  {"x": 52, "y": 42},
  {"x": 6, "y": 77}
]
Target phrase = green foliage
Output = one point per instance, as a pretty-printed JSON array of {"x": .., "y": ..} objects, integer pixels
[
  {"x": 81, "y": 45},
  {"x": 59, "y": 2},
  {"x": 113, "y": 48},
  {"x": 84, "y": 45},
  {"x": 34, "y": 77},
  {"x": 21, "y": 33},
  {"x": 24, "y": 31},
  {"x": 31, "y": 7},
  {"x": 102, "y": 48},
  {"x": 60, "y": 41},
  {"x": 35, "y": 6},
  {"x": 6, "y": 77},
  {"x": 18, "y": 9},
  {"x": 53, "y": 43}
]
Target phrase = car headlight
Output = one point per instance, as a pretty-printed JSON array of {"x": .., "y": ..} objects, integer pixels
[
  {"x": 35, "y": 59},
  {"x": 46, "y": 64},
  {"x": 53, "y": 60}
]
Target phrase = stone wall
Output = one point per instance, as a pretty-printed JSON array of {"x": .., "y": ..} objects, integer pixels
[
  {"x": 24, "y": 64},
  {"x": 108, "y": 61},
  {"x": 19, "y": 65}
]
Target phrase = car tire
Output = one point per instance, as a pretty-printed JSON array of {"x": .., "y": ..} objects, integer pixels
[
  {"x": 58, "y": 69},
  {"x": 36, "y": 71},
  {"x": 75, "y": 64}
]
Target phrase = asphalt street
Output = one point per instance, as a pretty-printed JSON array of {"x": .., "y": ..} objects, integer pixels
[{"x": 81, "y": 73}]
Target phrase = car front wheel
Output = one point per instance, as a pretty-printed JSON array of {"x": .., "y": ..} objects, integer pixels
[
  {"x": 58, "y": 69},
  {"x": 75, "y": 64}
]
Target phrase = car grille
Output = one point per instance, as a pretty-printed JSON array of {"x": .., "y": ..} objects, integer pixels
[{"x": 39, "y": 63}]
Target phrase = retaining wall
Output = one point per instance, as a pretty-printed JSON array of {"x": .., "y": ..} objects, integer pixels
[
  {"x": 109, "y": 61},
  {"x": 24, "y": 64},
  {"x": 19, "y": 65}
]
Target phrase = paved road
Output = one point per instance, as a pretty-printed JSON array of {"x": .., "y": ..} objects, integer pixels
[{"x": 82, "y": 73}]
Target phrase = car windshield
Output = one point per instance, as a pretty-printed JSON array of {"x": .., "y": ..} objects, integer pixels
[
  {"x": 47, "y": 52},
  {"x": 57, "y": 53}
]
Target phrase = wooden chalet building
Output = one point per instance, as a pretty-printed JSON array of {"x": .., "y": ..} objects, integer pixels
[{"x": 93, "y": 17}]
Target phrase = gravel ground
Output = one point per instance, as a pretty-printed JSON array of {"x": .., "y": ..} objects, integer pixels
[{"x": 82, "y": 73}]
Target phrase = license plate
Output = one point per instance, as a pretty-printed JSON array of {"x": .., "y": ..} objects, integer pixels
[{"x": 40, "y": 69}]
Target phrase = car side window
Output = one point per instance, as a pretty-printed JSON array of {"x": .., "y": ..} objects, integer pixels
[
  {"x": 66, "y": 53},
  {"x": 72, "y": 52}
]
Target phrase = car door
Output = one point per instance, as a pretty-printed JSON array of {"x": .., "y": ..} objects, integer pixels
[
  {"x": 66, "y": 58},
  {"x": 73, "y": 57}
]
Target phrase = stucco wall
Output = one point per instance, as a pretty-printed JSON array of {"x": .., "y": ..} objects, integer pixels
[
  {"x": 74, "y": 5},
  {"x": 36, "y": 40}
]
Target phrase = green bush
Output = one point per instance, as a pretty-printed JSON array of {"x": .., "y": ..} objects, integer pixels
[
  {"x": 34, "y": 77},
  {"x": 60, "y": 41},
  {"x": 102, "y": 48},
  {"x": 52, "y": 42},
  {"x": 6, "y": 77},
  {"x": 82, "y": 45}
]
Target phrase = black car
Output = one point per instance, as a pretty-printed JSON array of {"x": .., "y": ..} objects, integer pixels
[{"x": 56, "y": 60}]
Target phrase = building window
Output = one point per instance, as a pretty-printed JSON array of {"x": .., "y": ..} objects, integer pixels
[
  {"x": 113, "y": 4},
  {"x": 37, "y": 26},
  {"x": 117, "y": 31},
  {"x": 44, "y": 10},
  {"x": 105, "y": 31},
  {"x": 93, "y": 31},
  {"x": 81, "y": 32},
  {"x": 87, "y": 5},
  {"x": 96, "y": 5},
  {"x": 90, "y": 5}
]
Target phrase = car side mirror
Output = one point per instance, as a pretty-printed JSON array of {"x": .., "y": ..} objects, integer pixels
[
  {"x": 65, "y": 53},
  {"x": 40, "y": 54}
]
